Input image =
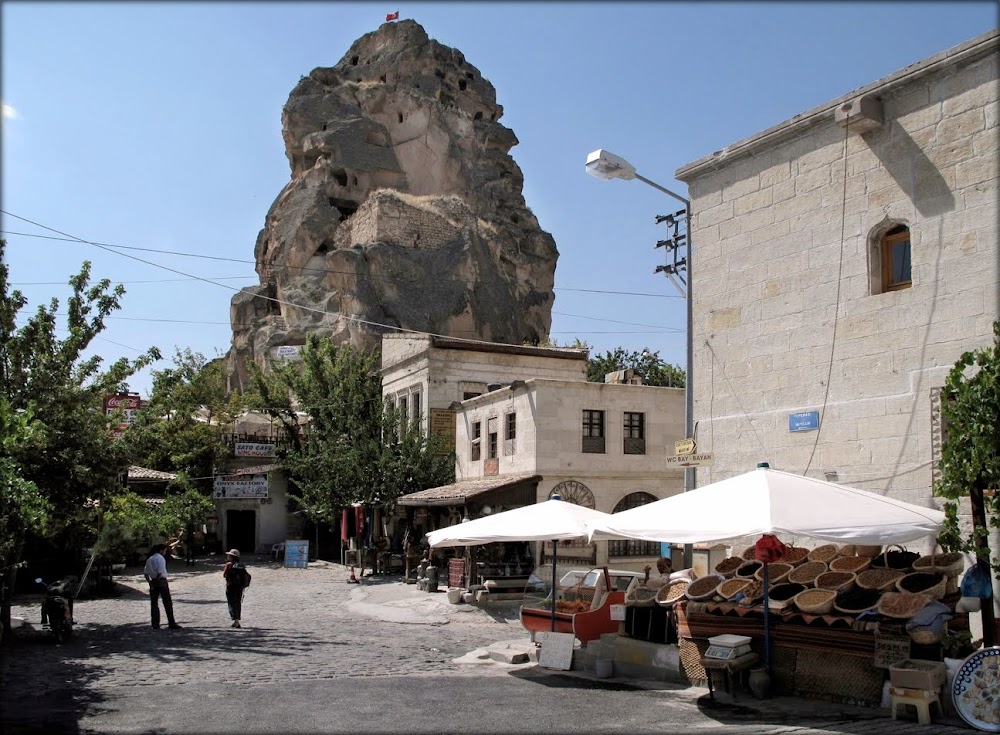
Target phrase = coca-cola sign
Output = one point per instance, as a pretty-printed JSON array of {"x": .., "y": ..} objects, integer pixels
[{"x": 129, "y": 405}]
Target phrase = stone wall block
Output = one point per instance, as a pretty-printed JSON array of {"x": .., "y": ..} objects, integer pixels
[
  {"x": 960, "y": 126},
  {"x": 754, "y": 201}
]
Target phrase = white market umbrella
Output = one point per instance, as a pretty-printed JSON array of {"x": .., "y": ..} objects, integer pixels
[
  {"x": 766, "y": 501},
  {"x": 554, "y": 520},
  {"x": 770, "y": 501}
]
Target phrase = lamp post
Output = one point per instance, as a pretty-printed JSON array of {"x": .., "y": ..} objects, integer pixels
[{"x": 605, "y": 165}]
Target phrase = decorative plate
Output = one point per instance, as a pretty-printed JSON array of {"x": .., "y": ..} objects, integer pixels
[{"x": 976, "y": 690}]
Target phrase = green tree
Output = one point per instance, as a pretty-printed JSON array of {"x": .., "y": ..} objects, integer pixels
[
  {"x": 970, "y": 456},
  {"x": 23, "y": 509},
  {"x": 647, "y": 365},
  {"x": 181, "y": 426},
  {"x": 72, "y": 463},
  {"x": 355, "y": 450}
]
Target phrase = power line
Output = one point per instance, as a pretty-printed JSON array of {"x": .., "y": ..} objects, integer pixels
[{"x": 291, "y": 267}]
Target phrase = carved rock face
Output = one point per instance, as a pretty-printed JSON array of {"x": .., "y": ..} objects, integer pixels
[{"x": 404, "y": 209}]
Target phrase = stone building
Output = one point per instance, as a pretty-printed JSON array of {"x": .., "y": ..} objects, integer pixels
[
  {"x": 843, "y": 261},
  {"x": 526, "y": 423}
]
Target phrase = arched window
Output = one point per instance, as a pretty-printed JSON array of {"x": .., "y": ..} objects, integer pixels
[
  {"x": 633, "y": 547},
  {"x": 894, "y": 253}
]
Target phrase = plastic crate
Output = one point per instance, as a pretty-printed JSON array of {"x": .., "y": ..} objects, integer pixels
[{"x": 912, "y": 673}]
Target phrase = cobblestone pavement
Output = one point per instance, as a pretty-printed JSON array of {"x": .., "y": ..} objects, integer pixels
[{"x": 312, "y": 643}]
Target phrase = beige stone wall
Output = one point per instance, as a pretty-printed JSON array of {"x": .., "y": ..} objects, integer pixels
[{"x": 785, "y": 317}]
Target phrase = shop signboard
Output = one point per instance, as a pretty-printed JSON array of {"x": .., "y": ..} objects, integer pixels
[
  {"x": 288, "y": 352},
  {"x": 296, "y": 553},
  {"x": 254, "y": 449},
  {"x": 443, "y": 425},
  {"x": 242, "y": 487},
  {"x": 557, "y": 650},
  {"x": 890, "y": 649},
  {"x": 129, "y": 405}
]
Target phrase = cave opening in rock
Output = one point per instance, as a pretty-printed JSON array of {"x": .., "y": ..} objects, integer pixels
[
  {"x": 345, "y": 206},
  {"x": 340, "y": 176},
  {"x": 354, "y": 61}
]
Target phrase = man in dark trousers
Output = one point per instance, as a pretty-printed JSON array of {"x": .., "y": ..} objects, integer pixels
[{"x": 156, "y": 575}]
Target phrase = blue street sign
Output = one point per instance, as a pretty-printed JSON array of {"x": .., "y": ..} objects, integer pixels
[{"x": 807, "y": 421}]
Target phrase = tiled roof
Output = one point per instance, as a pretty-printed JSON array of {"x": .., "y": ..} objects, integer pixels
[
  {"x": 460, "y": 492},
  {"x": 143, "y": 473}
]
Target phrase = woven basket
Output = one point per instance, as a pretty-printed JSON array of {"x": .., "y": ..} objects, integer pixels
[
  {"x": 639, "y": 595},
  {"x": 704, "y": 588},
  {"x": 782, "y": 596},
  {"x": 727, "y": 567},
  {"x": 847, "y": 550},
  {"x": 815, "y": 601},
  {"x": 869, "y": 551},
  {"x": 902, "y": 605},
  {"x": 732, "y": 587},
  {"x": 854, "y": 564},
  {"x": 748, "y": 569},
  {"x": 749, "y": 553},
  {"x": 836, "y": 581},
  {"x": 672, "y": 592},
  {"x": 879, "y": 579},
  {"x": 950, "y": 564},
  {"x": 924, "y": 636},
  {"x": 806, "y": 573},
  {"x": 795, "y": 555},
  {"x": 846, "y": 605},
  {"x": 895, "y": 559},
  {"x": 824, "y": 553},
  {"x": 776, "y": 572},
  {"x": 752, "y": 593},
  {"x": 934, "y": 590}
]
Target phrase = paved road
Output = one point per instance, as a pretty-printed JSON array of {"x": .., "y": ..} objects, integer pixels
[{"x": 319, "y": 655}]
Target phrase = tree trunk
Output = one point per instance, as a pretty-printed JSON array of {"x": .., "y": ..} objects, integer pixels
[{"x": 983, "y": 554}]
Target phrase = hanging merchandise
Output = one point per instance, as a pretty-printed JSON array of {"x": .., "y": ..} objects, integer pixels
[
  {"x": 977, "y": 581},
  {"x": 359, "y": 520},
  {"x": 343, "y": 526},
  {"x": 769, "y": 549}
]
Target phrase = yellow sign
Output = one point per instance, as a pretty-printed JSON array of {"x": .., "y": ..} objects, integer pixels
[{"x": 684, "y": 446}]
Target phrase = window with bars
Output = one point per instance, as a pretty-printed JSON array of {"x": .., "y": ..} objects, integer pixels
[
  {"x": 476, "y": 443},
  {"x": 593, "y": 431},
  {"x": 634, "y": 433},
  {"x": 633, "y": 547},
  {"x": 510, "y": 434}
]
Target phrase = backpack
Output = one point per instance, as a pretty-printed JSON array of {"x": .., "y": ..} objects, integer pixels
[{"x": 239, "y": 576}]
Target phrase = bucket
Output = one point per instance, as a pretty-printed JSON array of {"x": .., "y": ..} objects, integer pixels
[{"x": 604, "y": 668}]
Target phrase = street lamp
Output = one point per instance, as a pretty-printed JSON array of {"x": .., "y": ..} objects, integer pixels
[{"x": 605, "y": 165}]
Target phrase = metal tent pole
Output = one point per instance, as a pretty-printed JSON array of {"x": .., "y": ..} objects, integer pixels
[{"x": 555, "y": 550}]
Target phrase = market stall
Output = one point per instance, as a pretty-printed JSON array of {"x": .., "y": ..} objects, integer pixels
[{"x": 827, "y": 621}]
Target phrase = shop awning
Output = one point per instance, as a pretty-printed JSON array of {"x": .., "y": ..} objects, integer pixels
[{"x": 460, "y": 493}]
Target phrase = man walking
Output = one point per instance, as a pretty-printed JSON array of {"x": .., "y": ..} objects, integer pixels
[
  {"x": 156, "y": 575},
  {"x": 237, "y": 580}
]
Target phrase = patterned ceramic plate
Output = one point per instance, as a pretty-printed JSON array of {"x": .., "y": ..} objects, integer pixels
[{"x": 976, "y": 691}]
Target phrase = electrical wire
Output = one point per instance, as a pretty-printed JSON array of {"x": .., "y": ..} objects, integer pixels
[{"x": 286, "y": 266}]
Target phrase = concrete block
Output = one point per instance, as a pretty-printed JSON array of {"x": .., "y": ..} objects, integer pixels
[{"x": 860, "y": 115}]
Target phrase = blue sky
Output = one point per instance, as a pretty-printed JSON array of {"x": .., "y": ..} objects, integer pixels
[{"x": 158, "y": 125}]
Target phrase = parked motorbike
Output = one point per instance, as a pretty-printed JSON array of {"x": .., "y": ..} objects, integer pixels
[{"x": 57, "y": 607}]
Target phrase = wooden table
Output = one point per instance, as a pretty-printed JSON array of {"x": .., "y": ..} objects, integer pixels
[{"x": 728, "y": 666}]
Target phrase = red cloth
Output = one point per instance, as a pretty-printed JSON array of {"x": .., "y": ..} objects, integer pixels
[
  {"x": 392, "y": 16},
  {"x": 343, "y": 525},
  {"x": 769, "y": 549},
  {"x": 359, "y": 520}
]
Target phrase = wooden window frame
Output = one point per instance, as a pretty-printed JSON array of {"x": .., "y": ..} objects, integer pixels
[
  {"x": 633, "y": 432},
  {"x": 888, "y": 240},
  {"x": 593, "y": 431},
  {"x": 476, "y": 443}
]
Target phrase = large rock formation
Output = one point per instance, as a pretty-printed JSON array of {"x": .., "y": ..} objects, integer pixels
[{"x": 404, "y": 209}]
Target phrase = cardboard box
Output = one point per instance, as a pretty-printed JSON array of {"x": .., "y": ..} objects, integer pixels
[{"x": 912, "y": 673}]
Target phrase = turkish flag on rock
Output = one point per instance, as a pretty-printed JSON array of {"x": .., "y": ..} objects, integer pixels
[{"x": 392, "y": 16}]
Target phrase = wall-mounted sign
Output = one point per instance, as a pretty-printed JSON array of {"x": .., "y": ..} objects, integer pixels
[
  {"x": 806, "y": 421},
  {"x": 288, "y": 352},
  {"x": 254, "y": 449},
  {"x": 690, "y": 460},
  {"x": 129, "y": 405},
  {"x": 684, "y": 446},
  {"x": 443, "y": 424},
  {"x": 250, "y": 487}
]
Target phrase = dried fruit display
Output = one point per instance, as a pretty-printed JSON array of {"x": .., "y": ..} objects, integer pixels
[
  {"x": 704, "y": 587},
  {"x": 850, "y": 564},
  {"x": 775, "y": 572},
  {"x": 795, "y": 555},
  {"x": 879, "y": 579},
  {"x": 815, "y": 601},
  {"x": 749, "y": 553},
  {"x": 732, "y": 587},
  {"x": 574, "y": 606},
  {"x": 752, "y": 593},
  {"x": 728, "y": 567},
  {"x": 823, "y": 553},
  {"x": 672, "y": 592},
  {"x": 807, "y": 573},
  {"x": 840, "y": 581},
  {"x": 902, "y": 604},
  {"x": 856, "y": 601}
]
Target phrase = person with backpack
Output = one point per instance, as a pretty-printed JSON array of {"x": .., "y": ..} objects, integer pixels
[{"x": 237, "y": 580}]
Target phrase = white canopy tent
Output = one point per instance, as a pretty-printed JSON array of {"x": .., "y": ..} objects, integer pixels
[
  {"x": 771, "y": 501},
  {"x": 554, "y": 520}
]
